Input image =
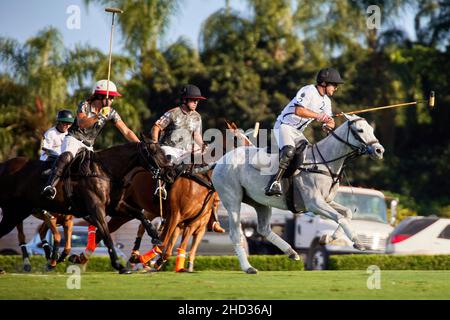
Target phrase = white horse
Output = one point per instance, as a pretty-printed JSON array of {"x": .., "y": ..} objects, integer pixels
[{"x": 237, "y": 179}]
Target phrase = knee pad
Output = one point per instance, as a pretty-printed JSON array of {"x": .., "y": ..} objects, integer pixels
[{"x": 288, "y": 152}]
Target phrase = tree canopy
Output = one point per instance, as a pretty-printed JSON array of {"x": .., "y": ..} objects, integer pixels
[{"x": 249, "y": 65}]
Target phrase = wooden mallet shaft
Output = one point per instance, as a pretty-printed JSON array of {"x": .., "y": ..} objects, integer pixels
[{"x": 431, "y": 100}]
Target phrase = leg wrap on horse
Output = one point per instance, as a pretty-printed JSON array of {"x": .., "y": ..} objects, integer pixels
[
  {"x": 91, "y": 245},
  {"x": 150, "y": 255},
  {"x": 345, "y": 225},
  {"x": 47, "y": 249},
  {"x": 137, "y": 243},
  {"x": 181, "y": 258},
  {"x": 278, "y": 242},
  {"x": 242, "y": 256},
  {"x": 23, "y": 247}
]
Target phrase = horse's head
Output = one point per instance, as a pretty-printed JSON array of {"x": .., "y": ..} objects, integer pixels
[
  {"x": 361, "y": 137},
  {"x": 153, "y": 159}
]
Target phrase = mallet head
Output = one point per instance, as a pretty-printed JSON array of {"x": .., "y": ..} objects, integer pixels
[
  {"x": 431, "y": 100},
  {"x": 114, "y": 10}
]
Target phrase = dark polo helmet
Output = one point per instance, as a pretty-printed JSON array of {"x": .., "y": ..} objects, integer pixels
[
  {"x": 329, "y": 75},
  {"x": 65, "y": 116},
  {"x": 190, "y": 91}
]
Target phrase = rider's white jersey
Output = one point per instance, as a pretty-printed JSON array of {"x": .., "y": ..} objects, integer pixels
[
  {"x": 307, "y": 97},
  {"x": 52, "y": 142}
]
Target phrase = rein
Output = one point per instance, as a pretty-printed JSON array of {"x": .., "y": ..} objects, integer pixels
[
  {"x": 147, "y": 159},
  {"x": 356, "y": 151}
]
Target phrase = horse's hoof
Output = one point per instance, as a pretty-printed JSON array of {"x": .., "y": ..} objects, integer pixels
[
  {"x": 62, "y": 258},
  {"x": 251, "y": 270},
  {"x": 78, "y": 259},
  {"x": 49, "y": 267},
  {"x": 294, "y": 256},
  {"x": 325, "y": 239},
  {"x": 359, "y": 246},
  {"x": 157, "y": 242},
  {"x": 134, "y": 258},
  {"x": 150, "y": 270},
  {"x": 27, "y": 267},
  {"x": 182, "y": 270},
  {"x": 124, "y": 271},
  {"x": 2, "y": 271}
]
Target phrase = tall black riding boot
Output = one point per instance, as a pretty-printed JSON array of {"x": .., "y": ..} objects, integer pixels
[
  {"x": 57, "y": 172},
  {"x": 274, "y": 187}
]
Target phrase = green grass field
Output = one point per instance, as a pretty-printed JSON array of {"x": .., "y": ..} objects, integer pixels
[{"x": 226, "y": 285}]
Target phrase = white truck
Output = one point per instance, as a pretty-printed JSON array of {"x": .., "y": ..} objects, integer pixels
[{"x": 304, "y": 230}]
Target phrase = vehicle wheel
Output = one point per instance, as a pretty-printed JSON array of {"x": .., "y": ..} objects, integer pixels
[{"x": 317, "y": 258}]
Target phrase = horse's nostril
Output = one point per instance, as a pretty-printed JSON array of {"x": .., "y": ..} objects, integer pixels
[{"x": 378, "y": 150}]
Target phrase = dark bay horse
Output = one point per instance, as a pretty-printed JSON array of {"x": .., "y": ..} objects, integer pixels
[{"x": 90, "y": 197}]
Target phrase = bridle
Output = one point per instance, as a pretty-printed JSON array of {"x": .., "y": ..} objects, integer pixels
[
  {"x": 364, "y": 148},
  {"x": 147, "y": 160}
]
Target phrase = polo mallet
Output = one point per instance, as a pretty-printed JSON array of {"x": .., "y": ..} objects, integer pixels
[
  {"x": 256, "y": 130},
  {"x": 430, "y": 103},
  {"x": 113, "y": 11}
]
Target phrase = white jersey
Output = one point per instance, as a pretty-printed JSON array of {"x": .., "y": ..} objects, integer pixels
[
  {"x": 52, "y": 142},
  {"x": 307, "y": 97}
]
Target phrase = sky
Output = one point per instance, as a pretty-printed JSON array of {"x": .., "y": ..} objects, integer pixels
[{"x": 22, "y": 19}]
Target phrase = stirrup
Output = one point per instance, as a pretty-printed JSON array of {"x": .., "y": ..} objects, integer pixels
[
  {"x": 274, "y": 189},
  {"x": 163, "y": 192},
  {"x": 49, "y": 192}
]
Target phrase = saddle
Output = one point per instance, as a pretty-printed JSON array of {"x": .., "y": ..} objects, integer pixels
[
  {"x": 187, "y": 171},
  {"x": 268, "y": 164},
  {"x": 82, "y": 165}
]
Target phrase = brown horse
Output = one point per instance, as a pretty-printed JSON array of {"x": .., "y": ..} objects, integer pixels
[
  {"x": 89, "y": 196},
  {"x": 196, "y": 229},
  {"x": 50, "y": 221},
  {"x": 190, "y": 200}
]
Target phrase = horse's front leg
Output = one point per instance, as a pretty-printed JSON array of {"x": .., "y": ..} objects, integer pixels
[
  {"x": 318, "y": 205},
  {"x": 264, "y": 213},
  {"x": 165, "y": 255},
  {"x": 97, "y": 212},
  {"x": 196, "y": 239},
  {"x": 181, "y": 250},
  {"x": 339, "y": 232}
]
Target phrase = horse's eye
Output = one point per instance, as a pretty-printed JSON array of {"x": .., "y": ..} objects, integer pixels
[{"x": 360, "y": 130}]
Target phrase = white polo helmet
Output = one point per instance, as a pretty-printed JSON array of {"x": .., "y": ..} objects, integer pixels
[{"x": 101, "y": 88}]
